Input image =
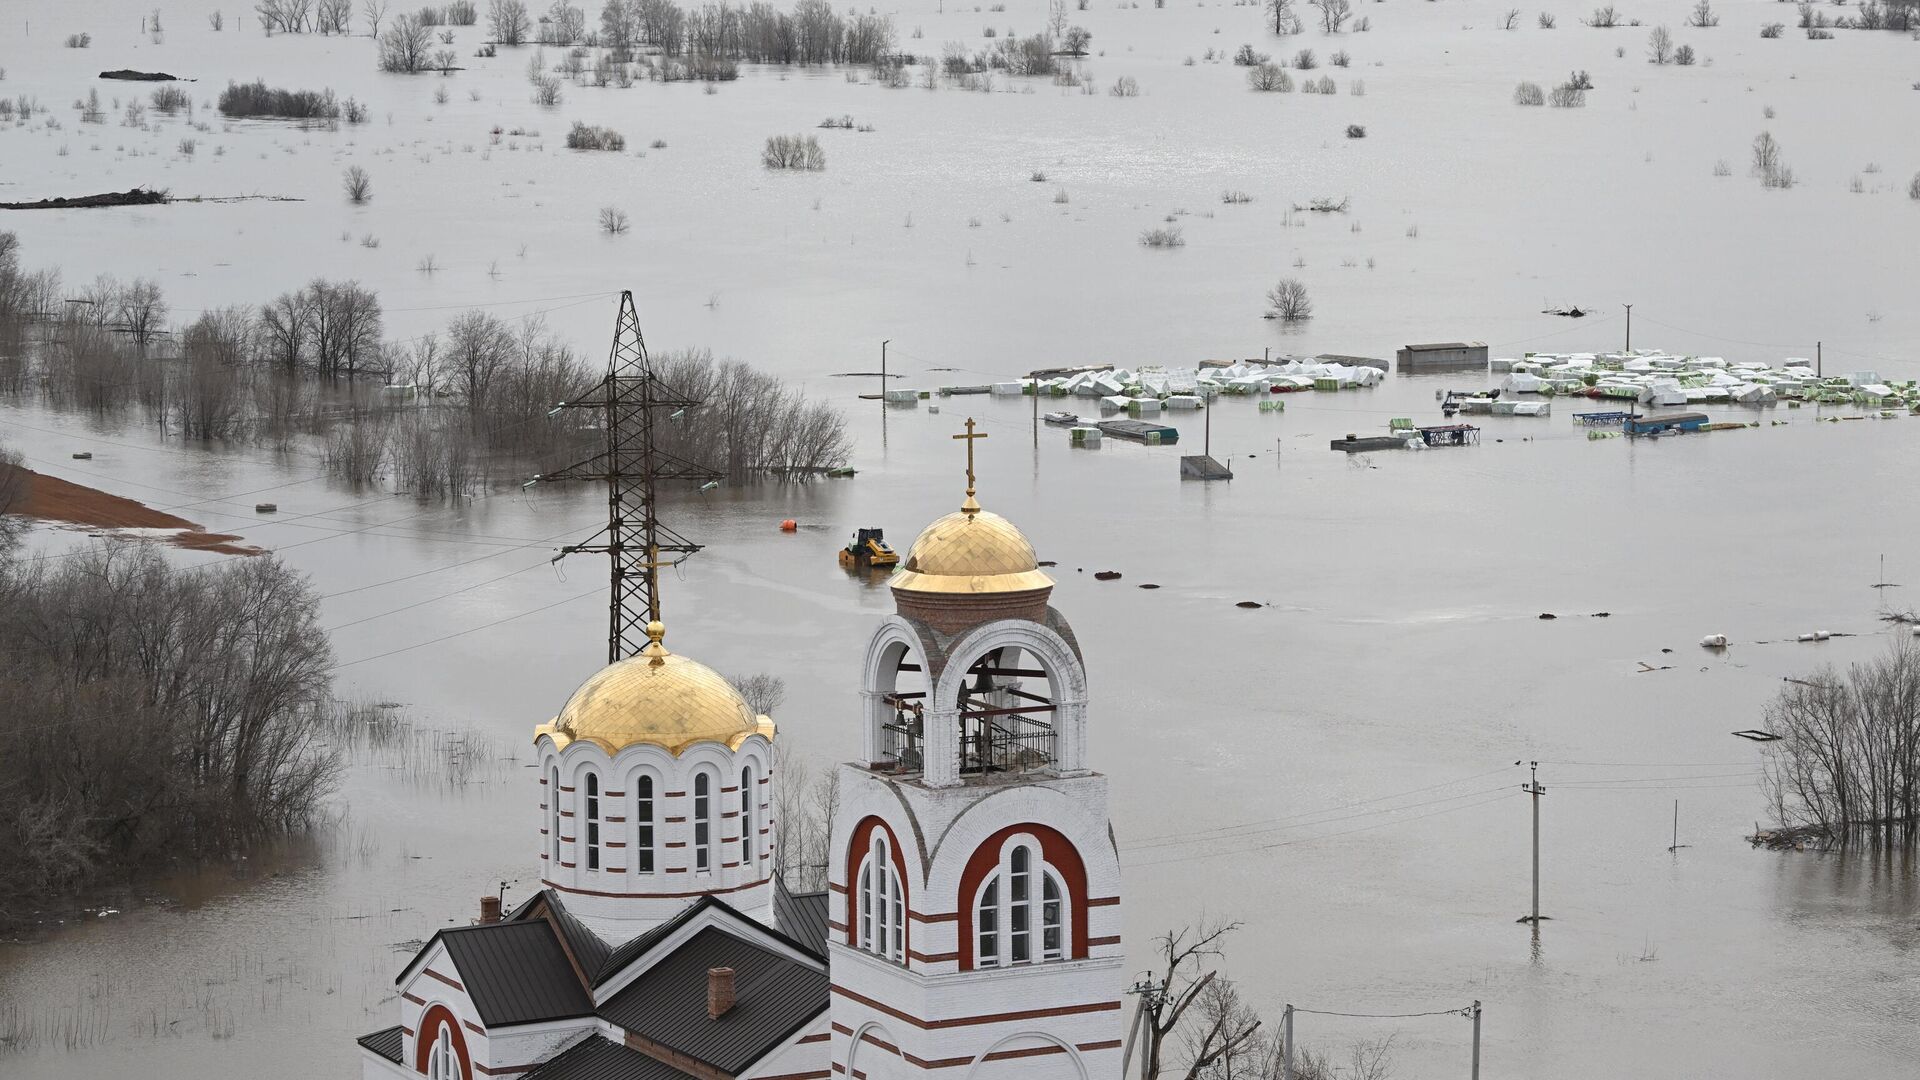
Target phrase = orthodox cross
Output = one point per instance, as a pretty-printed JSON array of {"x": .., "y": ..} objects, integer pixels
[{"x": 970, "y": 506}]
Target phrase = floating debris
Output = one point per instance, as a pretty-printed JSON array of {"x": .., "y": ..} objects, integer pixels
[
  {"x": 1714, "y": 641},
  {"x": 1249, "y": 604},
  {"x": 1548, "y": 615},
  {"x": 1106, "y": 575},
  {"x": 1149, "y": 586}
]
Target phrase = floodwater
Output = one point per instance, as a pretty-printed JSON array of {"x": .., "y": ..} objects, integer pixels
[{"x": 1332, "y": 770}]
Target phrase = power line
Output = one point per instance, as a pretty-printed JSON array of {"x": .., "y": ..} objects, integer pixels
[
  {"x": 1464, "y": 1010},
  {"x": 1327, "y": 836},
  {"x": 1198, "y": 838},
  {"x": 1345, "y": 806},
  {"x": 463, "y": 633}
]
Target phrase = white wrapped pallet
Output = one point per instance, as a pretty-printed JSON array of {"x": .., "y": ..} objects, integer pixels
[{"x": 1008, "y": 389}]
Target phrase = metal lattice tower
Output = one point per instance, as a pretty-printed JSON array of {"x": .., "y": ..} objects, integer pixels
[{"x": 630, "y": 399}]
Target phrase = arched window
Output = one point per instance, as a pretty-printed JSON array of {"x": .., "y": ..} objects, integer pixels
[
  {"x": 553, "y": 818},
  {"x": 442, "y": 1062},
  {"x": 702, "y": 822},
  {"x": 593, "y": 821},
  {"x": 883, "y": 904},
  {"x": 746, "y": 816},
  {"x": 1020, "y": 912},
  {"x": 643, "y": 822}
]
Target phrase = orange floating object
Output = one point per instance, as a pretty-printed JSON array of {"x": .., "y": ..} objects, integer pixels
[{"x": 789, "y": 525}]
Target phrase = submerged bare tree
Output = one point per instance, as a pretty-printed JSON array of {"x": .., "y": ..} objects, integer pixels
[
  {"x": 507, "y": 22},
  {"x": 752, "y": 425},
  {"x": 1849, "y": 751},
  {"x": 1282, "y": 17},
  {"x": 406, "y": 46},
  {"x": 1288, "y": 301},
  {"x": 803, "y": 802},
  {"x": 175, "y": 715},
  {"x": 1333, "y": 14}
]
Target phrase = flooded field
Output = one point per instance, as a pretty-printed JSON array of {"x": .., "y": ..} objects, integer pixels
[{"x": 1333, "y": 768}]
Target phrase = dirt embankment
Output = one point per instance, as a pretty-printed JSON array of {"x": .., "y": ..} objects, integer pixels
[
  {"x": 131, "y": 197},
  {"x": 49, "y": 498}
]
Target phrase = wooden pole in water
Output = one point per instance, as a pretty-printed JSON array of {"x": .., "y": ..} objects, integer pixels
[
  {"x": 883, "y": 372},
  {"x": 1476, "y": 1040},
  {"x": 1033, "y": 385},
  {"x": 1820, "y": 359},
  {"x": 1535, "y": 790},
  {"x": 1286, "y": 1044}
]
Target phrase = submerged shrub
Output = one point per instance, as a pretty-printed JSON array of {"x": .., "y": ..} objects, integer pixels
[
  {"x": 1355, "y": 131},
  {"x": 801, "y": 152},
  {"x": 1567, "y": 96},
  {"x": 1270, "y": 78},
  {"x": 1164, "y": 236},
  {"x": 169, "y": 99},
  {"x": 258, "y": 99},
  {"x": 589, "y": 137}
]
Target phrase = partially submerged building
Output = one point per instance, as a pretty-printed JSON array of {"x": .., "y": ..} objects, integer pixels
[{"x": 1445, "y": 354}]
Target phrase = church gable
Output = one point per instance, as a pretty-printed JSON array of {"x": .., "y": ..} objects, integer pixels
[{"x": 769, "y": 995}]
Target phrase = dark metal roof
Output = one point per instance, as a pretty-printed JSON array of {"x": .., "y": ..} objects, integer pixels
[
  {"x": 802, "y": 916},
  {"x": 385, "y": 1042},
  {"x": 516, "y": 972},
  {"x": 588, "y": 949},
  {"x": 595, "y": 1058},
  {"x": 633, "y": 947},
  {"x": 775, "y": 996}
]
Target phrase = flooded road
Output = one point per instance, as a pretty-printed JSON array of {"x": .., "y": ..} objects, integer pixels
[{"x": 1332, "y": 769}]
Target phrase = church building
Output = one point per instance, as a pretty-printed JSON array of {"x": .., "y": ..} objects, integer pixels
[{"x": 971, "y": 923}]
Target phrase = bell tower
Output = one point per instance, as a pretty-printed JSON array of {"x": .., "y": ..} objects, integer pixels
[{"x": 974, "y": 883}]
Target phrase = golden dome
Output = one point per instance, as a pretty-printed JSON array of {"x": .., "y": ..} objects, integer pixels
[
  {"x": 971, "y": 551},
  {"x": 656, "y": 698}
]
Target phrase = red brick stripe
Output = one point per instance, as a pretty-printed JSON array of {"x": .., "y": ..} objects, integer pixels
[
  {"x": 436, "y": 975},
  {"x": 667, "y": 895},
  {"x": 989, "y": 1018}
]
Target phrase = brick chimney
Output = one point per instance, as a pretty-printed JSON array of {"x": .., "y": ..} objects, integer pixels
[
  {"x": 489, "y": 909},
  {"x": 719, "y": 992}
]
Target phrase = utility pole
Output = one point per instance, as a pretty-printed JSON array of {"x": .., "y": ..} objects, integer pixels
[
  {"x": 1629, "y": 328},
  {"x": 1286, "y": 1043},
  {"x": 1820, "y": 359},
  {"x": 632, "y": 465},
  {"x": 883, "y": 373},
  {"x": 1534, "y": 789},
  {"x": 1476, "y": 1040},
  {"x": 1033, "y": 387}
]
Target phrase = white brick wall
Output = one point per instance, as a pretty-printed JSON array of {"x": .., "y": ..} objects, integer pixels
[{"x": 675, "y": 878}]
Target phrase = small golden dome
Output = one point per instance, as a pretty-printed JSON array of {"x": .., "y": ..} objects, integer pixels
[
  {"x": 971, "y": 551},
  {"x": 657, "y": 698}
]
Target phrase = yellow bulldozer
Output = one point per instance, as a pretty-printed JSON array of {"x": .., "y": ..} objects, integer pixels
[{"x": 867, "y": 548}]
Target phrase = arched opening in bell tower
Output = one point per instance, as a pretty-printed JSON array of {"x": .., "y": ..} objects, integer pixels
[
  {"x": 903, "y": 687},
  {"x": 1005, "y": 726}
]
